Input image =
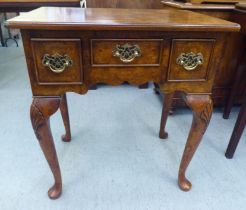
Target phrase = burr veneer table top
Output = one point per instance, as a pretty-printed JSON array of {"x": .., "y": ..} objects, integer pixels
[{"x": 120, "y": 19}]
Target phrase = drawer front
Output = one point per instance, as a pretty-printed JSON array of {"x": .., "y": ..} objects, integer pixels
[
  {"x": 125, "y": 52},
  {"x": 190, "y": 59},
  {"x": 57, "y": 61}
]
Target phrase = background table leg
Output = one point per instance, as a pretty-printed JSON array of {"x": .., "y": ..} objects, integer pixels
[
  {"x": 237, "y": 131},
  {"x": 202, "y": 108},
  {"x": 41, "y": 110},
  {"x": 167, "y": 103},
  {"x": 65, "y": 116},
  {"x": 1, "y": 37}
]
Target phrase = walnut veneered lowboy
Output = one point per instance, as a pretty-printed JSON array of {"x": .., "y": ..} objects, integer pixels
[{"x": 70, "y": 49}]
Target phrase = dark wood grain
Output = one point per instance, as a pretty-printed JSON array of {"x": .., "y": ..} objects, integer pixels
[
  {"x": 198, "y": 7},
  {"x": 240, "y": 79},
  {"x": 215, "y": 1},
  {"x": 1, "y": 37},
  {"x": 144, "y": 4},
  {"x": 239, "y": 84},
  {"x": 237, "y": 131}
]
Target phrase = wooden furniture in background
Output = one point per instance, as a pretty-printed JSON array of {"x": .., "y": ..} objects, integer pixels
[
  {"x": 69, "y": 50},
  {"x": 215, "y": 1},
  {"x": 17, "y": 6},
  {"x": 237, "y": 131},
  {"x": 240, "y": 78},
  {"x": 144, "y": 4},
  {"x": 27, "y": 5},
  {"x": 1, "y": 32},
  {"x": 238, "y": 83},
  {"x": 231, "y": 56}
]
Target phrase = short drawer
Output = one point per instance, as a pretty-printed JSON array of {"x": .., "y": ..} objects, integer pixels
[
  {"x": 58, "y": 61},
  {"x": 190, "y": 59},
  {"x": 125, "y": 52}
]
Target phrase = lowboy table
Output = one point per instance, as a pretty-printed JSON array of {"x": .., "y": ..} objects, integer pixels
[{"x": 71, "y": 49}]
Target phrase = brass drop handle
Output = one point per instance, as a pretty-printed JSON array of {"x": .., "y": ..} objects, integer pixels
[
  {"x": 190, "y": 61},
  {"x": 127, "y": 52},
  {"x": 57, "y": 63}
]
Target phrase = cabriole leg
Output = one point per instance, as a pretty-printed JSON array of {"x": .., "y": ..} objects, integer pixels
[
  {"x": 167, "y": 103},
  {"x": 41, "y": 110},
  {"x": 202, "y": 108},
  {"x": 65, "y": 116}
]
